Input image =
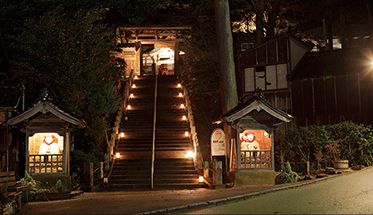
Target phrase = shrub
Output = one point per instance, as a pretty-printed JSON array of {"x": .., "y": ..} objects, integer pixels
[
  {"x": 321, "y": 145},
  {"x": 35, "y": 190},
  {"x": 59, "y": 185},
  {"x": 287, "y": 176}
]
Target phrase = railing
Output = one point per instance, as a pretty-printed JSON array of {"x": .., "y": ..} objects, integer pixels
[
  {"x": 122, "y": 111},
  {"x": 198, "y": 159},
  {"x": 154, "y": 124},
  {"x": 256, "y": 159},
  {"x": 51, "y": 163}
]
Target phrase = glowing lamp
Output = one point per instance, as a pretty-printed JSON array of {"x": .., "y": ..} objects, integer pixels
[
  {"x": 131, "y": 95},
  {"x": 179, "y": 85},
  {"x": 128, "y": 107},
  {"x": 200, "y": 179},
  {"x": 180, "y": 95},
  {"x": 187, "y": 134},
  {"x": 122, "y": 134},
  {"x": 133, "y": 85},
  {"x": 184, "y": 117},
  {"x": 182, "y": 106},
  {"x": 117, "y": 155},
  {"x": 190, "y": 154},
  {"x": 135, "y": 76}
]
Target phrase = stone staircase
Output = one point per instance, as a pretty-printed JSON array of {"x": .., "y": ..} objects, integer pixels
[{"x": 172, "y": 169}]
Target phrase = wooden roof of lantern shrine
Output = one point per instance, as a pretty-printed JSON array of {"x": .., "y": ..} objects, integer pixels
[
  {"x": 256, "y": 113},
  {"x": 45, "y": 116}
]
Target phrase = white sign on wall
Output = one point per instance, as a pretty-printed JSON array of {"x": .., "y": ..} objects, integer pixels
[{"x": 218, "y": 142}]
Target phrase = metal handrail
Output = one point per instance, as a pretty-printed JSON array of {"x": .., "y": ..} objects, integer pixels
[{"x": 154, "y": 124}]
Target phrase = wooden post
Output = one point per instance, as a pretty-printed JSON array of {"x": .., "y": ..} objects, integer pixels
[
  {"x": 218, "y": 172},
  {"x": 107, "y": 163},
  {"x": 206, "y": 170},
  {"x": 91, "y": 174},
  {"x": 308, "y": 168},
  {"x": 88, "y": 173},
  {"x": 101, "y": 172}
]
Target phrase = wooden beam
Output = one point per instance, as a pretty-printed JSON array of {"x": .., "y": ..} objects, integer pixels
[{"x": 155, "y": 28}]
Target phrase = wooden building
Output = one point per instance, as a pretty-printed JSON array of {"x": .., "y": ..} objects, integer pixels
[
  {"x": 150, "y": 50},
  {"x": 47, "y": 142},
  {"x": 255, "y": 121},
  {"x": 334, "y": 86},
  {"x": 267, "y": 67}
]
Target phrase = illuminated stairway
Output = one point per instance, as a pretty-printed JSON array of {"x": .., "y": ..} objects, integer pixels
[{"x": 172, "y": 169}]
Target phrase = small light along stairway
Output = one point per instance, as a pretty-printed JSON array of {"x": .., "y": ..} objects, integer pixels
[{"x": 172, "y": 168}]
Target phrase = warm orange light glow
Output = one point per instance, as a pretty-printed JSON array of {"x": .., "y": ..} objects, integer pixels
[
  {"x": 134, "y": 86},
  {"x": 200, "y": 179},
  {"x": 187, "y": 134},
  {"x": 117, "y": 155},
  {"x": 128, "y": 107},
  {"x": 178, "y": 85},
  {"x": 122, "y": 134},
  {"x": 182, "y": 106},
  {"x": 180, "y": 95},
  {"x": 135, "y": 76},
  {"x": 190, "y": 154},
  {"x": 184, "y": 117},
  {"x": 131, "y": 95}
]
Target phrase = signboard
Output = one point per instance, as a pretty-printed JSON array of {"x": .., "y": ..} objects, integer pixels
[{"x": 218, "y": 142}]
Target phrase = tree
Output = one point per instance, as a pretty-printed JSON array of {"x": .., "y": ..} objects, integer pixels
[
  {"x": 201, "y": 78},
  {"x": 70, "y": 58},
  {"x": 227, "y": 74}
]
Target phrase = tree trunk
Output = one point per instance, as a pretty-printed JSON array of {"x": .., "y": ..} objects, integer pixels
[
  {"x": 227, "y": 74},
  {"x": 259, "y": 22},
  {"x": 329, "y": 27}
]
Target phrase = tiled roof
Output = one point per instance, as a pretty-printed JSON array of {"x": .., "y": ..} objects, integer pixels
[
  {"x": 333, "y": 63},
  {"x": 45, "y": 106},
  {"x": 256, "y": 103}
]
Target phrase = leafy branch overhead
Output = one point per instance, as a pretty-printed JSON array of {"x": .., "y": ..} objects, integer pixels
[{"x": 69, "y": 56}]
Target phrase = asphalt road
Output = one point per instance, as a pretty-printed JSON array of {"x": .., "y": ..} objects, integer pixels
[
  {"x": 347, "y": 194},
  {"x": 133, "y": 202}
]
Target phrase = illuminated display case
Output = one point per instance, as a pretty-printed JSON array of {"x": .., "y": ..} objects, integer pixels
[
  {"x": 47, "y": 131},
  {"x": 255, "y": 147},
  {"x": 45, "y": 153},
  {"x": 255, "y": 122}
]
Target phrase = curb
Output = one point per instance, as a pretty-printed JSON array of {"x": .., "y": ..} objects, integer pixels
[{"x": 234, "y": 198}]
